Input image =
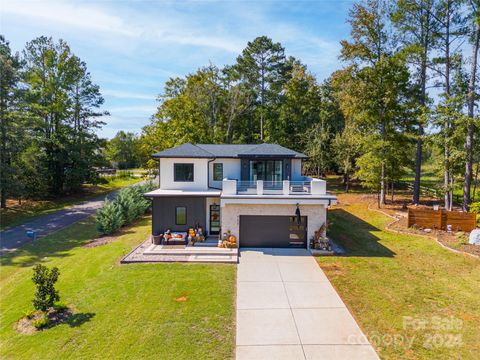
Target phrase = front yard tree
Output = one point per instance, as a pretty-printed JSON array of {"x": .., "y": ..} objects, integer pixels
[{"x": 44, "y": 280}]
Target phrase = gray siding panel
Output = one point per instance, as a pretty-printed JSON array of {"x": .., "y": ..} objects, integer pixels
[{"x": 163, "y": 213}]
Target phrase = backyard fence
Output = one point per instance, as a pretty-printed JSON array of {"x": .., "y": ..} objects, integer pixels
[{"x": 439, "y": 219}]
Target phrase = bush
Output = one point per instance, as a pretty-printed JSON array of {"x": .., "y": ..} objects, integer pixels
[
  {"x": 109, "y": 218},
  {"x": 475, "y": 207},
  {"x": 124, "y": 174},
  {"x": 45, "y": 279},
  {"x": 41, "y": 323},
  {"x": 129, "y": 205}
]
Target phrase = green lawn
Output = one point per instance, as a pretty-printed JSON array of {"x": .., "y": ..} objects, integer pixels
[
  {"x": 123, "y": 311},
  {"x": 16, "y": 214},
  {"x": 387, "y": 276}
]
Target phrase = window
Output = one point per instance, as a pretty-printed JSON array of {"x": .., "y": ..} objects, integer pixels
[
  {"x": 217, "y": 172},
  {"x": 183, "y": 172},
  {"x": 181, "y": 215}
]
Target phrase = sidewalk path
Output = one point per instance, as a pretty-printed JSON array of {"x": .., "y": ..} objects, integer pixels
[
  {"x": 14, "y": 237},
  {"x": 287, "y": 309}
]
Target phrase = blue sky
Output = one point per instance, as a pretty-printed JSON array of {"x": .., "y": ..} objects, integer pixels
[{"x": 132, "y": 47}]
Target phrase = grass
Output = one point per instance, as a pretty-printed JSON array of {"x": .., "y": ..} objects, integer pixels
[
  {"x": 16, "y": 214},
  {"x": 388, "y": 277},
  {"x": 122, "y": 311}
]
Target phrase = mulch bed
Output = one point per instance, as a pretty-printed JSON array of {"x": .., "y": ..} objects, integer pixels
[
  {"x": 107, "y": 239},
  {"x": 55, "y": 317}
]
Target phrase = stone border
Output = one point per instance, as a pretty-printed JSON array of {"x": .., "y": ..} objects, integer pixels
[{"x": 388, "y": 228}]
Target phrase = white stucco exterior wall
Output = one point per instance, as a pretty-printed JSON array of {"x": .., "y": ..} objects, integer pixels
[
  {"x": 231, "y": 170},
  {"x": 199, "y": 174},
  {"x": 316, "y": 216}
]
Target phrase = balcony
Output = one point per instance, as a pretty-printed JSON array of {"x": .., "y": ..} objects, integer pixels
[{"x": 307, "y": 186}]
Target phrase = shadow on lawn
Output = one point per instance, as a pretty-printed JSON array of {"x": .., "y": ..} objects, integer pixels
[
  {"x": 57, "y": 245},
  {"x": 76, "y": 320},
  {"x": 355, "y": 235}
]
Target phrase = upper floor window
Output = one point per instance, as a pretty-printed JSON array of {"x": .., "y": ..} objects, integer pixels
[
  {"x": 183, "y": 172},
  {"x": 217, "y": 172}
]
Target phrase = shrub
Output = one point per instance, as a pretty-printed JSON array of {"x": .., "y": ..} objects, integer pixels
[
  {"x": 109, "y": 218},
  {"x": 129, "y": 205},
  {"x": 41, "y": 323},
  {"x": 124, "y": 174},
  {"x": 475, "y": 207},
  {"x": 46, "y": 294}
]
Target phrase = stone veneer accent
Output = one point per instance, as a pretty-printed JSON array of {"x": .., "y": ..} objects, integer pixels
[{"x": 316, "y": 216}]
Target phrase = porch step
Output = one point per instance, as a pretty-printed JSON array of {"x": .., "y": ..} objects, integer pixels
[
  {"x": 194, "y": 250},
  {"x": 213, "y": 258}
]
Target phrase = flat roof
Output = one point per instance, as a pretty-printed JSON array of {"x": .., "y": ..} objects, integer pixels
[{"x": 203, "y": 193}]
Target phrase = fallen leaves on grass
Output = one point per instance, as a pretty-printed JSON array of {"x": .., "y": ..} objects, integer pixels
[{"x": 181, "y": 299}]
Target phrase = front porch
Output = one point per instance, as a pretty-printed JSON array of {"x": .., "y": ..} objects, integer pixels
[{"x": 201, "y": 252}]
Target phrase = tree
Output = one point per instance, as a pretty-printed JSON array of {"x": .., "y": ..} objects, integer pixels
[
  {"x": 449, "y": 30},
  {"x": 263, "y": 67},
  {"x": 472, "y": 95},
  {"x": 416, "y": 28},
  {"x": 347, "y": 147},
  {"x": 376, "y": 92},
  {"x": 64, "y": 103},
  {"x": 123, "y": 150},
  {"x": 44, "y": 280},
  {"x": 299, "y": 110},
  {"x": 12, "y": 122}
]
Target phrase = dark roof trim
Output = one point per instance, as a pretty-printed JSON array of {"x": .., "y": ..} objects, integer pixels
[{"x": 212, "y": 151}]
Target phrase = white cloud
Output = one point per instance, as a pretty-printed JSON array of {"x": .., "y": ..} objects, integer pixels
[
  {"x": 145, "y": 109},
  {"x": 73, "y": 15},
  {"x": 127, "y": 95}
]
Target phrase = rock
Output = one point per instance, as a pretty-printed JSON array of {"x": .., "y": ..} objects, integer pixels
[
  {"x": 474, "y": 238},
  {"x": 427, "y": 230}
]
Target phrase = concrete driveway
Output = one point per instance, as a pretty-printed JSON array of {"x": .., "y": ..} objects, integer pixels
[{"x": 287, "y": 309}]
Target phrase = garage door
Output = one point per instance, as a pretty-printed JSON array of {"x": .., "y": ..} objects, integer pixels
[{"x": 272, "y": 231}]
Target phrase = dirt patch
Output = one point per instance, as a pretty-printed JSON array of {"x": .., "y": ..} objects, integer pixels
[
  {"x": 102, "y": 240},
  {"x": 332, "y": 268},
  {"x": 181, "y": 299},
  {"x": 107, "y": 239},
  {"x": 54, "y": 317},
  {"x": 458, "y": 241}
]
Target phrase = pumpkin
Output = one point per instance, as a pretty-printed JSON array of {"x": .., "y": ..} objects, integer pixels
[{"x": 232, "y": 239}]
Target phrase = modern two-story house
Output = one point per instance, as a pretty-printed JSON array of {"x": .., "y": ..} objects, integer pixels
[{"x": 257, "y": 192}]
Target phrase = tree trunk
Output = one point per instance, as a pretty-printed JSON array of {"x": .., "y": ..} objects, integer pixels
[
  {"x": 393, "y": 192},
  {"x": 469, "y": 139},
  {"x": 475, "y": 182},
  {"x": 446, "y": 177}
]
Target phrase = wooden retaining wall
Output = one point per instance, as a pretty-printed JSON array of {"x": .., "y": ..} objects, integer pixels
[{"x": 439, "y": 219}]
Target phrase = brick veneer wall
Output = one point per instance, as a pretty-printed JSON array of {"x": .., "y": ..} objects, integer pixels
[{"x": 316, "y": 215}]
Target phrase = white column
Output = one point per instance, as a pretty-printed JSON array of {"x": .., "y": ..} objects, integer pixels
[
  {"x": 229, "y": 187},
  {"x": 259, "y": 187},
  {"x": 318, "y": 187},
  {"x": 286, "y": 187}
]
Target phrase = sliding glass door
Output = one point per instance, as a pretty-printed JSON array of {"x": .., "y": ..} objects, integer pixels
[{"x": 270, "y": 171}]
